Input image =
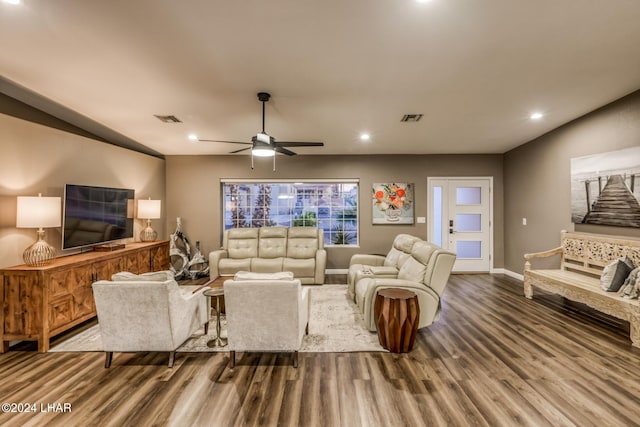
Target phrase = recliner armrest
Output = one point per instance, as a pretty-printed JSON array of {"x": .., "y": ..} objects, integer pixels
[
  {"x": 214, "y": 258},
  {"x": 367, "y": 259}
]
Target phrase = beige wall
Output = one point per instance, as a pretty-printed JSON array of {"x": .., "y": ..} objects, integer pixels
[
  {"x": 193, "y": 191},
  {"x": 537, "y": 178},
  {"x": 41, "y": 159}
]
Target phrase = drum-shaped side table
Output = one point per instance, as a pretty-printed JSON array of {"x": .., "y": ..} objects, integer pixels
[{"x": 397, "y": 314}]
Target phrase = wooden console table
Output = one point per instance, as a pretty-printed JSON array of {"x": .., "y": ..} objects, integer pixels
[
  {"x": 38, "y": 303},
  {"x": 397, "y": 314}
]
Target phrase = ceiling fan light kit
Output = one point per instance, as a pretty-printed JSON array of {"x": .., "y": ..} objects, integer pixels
[{"x": 264, "y": 145}]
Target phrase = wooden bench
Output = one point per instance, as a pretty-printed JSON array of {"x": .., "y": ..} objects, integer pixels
[{"x": 583, "y": 257}]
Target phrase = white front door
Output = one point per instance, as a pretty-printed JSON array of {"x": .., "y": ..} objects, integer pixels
[{"x": 460, "y": 211}]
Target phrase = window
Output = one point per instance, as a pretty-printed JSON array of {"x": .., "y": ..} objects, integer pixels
[{"x": 331, "y": 206}]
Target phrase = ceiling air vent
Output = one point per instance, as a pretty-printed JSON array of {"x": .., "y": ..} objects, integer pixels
[
  {"x": 168, "y": 119},
  {"x": 411, "y": 117}
]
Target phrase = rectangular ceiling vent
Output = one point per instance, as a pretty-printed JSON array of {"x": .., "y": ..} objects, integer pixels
[
  {"x": 411, "y": 117},
  {"x": 168, "y": 119}
]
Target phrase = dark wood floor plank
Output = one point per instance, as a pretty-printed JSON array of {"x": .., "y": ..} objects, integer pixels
[{"x": 494, "y": 358}]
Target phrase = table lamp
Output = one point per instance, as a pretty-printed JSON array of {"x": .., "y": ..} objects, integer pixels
[
  {"x": 148, "y": 209},
  {"x": 38, "y": 212}
]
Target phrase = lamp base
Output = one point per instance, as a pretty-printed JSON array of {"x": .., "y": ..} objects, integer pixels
[
  {"x": 148, "y": 235},
  {"x": 40, "y": 253}
]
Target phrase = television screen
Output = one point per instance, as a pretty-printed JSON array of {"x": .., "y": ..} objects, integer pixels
[{"x": 95, "y": 215}]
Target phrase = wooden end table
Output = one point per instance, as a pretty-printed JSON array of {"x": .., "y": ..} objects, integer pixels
[{"x": 397, "y": 314}]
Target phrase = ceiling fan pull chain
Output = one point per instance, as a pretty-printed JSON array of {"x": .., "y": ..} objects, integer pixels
[
  {"x": 274, "y": 162},
  {"x": 251, "y": 161}
]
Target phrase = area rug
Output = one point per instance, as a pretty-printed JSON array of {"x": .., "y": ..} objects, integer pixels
[{"x": 335, "y": 325}]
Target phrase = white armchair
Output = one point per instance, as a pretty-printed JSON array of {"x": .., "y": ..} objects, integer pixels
[
  {"x": 266, "y": 315},
  {"x": 147, "y": 312}
]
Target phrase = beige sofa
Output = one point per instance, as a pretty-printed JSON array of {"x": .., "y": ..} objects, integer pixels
[
  {"x": 424, "y": 270},
  {"x": 270, "y": 250}
]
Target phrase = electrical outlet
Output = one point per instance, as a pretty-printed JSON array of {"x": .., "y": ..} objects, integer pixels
[
  {"x": 524, "y": 221},
  {"x": 421, "y": 220}
]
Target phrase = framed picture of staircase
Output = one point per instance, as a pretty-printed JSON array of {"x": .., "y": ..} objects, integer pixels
[{"x": 605, "y": 188}]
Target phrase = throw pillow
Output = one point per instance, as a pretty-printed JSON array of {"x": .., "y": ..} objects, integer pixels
[
  {"x": 155, "y": 276},
  {"x": 630, "y": 281},
  {"x": 615, "y": 273},
  {"x": 632, "y": 290}
]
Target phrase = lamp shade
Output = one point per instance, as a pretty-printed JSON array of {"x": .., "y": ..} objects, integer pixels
[
  {"x": 148, "y": 209},
  {"x": 38, "y": 212}
]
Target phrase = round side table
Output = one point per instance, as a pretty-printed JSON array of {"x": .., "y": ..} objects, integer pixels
[
  {"x": 218, "y": 341},
  {"x": 397, "y": 314}
]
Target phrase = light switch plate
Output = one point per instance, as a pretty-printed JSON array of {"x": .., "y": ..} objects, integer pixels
[{"x": 421, "y": 220}]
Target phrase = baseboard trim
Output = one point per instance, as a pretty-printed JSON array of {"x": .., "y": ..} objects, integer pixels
[
  {"x": 336, "y": 271},
  {"x": 508, "y": 273}
]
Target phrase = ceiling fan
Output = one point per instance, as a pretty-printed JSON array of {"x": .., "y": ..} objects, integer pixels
[{"x": 264, "y": 145}]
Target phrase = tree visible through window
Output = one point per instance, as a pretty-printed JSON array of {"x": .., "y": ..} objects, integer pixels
[{"x": 330, "y": 206}]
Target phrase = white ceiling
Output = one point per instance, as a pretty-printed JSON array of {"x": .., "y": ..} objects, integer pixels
[{"x": 335, "y": 68}]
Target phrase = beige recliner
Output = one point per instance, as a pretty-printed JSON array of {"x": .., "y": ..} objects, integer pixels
[
  {"x": 147, "y": 312},
  {"x": 380, "y": 266},
  {"x": 266, "y": 315},
  {"x": 425, "y": 273}
]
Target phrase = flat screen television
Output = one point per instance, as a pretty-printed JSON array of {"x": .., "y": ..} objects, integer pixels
[{"x": 95, "y": 215}]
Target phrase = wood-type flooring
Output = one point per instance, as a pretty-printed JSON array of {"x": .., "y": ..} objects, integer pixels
[{"x": 493, "y": 359}]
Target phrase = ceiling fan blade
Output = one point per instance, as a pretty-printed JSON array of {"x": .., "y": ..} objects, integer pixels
[
  {"x": 299, "y": 144},
  {"x": 240, "y": 150},
  {"x": 227, "y": 142},
  {"x": 285, "y": 151}
]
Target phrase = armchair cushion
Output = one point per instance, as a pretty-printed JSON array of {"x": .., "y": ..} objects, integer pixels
[
  {"x": 249, "y": 275},
  {"x": 155, "y": 276}
]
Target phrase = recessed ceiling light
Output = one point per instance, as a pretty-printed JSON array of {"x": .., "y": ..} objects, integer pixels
[
  {"x": 365, "y": 136},
  {"x": 423, "y": 1},
  {"x": 12, "y": 1},
  {"x": 193, "y": 137},
  {"x": 536, "y": 116}
]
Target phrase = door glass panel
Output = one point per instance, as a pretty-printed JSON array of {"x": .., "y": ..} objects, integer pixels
[
  {"x": 468, "y": 249},
  {"x": 468, "y": 222},
  {"x": 468, "y": 195},
  {"x": 437, "y": 216}
]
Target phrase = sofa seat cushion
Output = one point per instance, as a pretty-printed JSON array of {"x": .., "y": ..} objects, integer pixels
[
  {"x": 300, "y": 267},
  {"x": 229, "y": 266},
  {"x": 266, "y": 265}
]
